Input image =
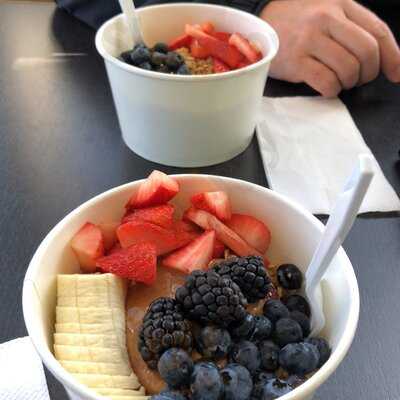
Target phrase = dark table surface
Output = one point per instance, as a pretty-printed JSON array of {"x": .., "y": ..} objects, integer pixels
[{"x": 60, "y": 145}]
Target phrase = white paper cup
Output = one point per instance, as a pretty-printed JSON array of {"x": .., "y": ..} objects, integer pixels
[
  {"x": 186, "y": 121},
  {"x": 295, "y": 234}
]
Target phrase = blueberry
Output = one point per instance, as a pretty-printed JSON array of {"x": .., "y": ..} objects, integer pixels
[
  {"x": 140, "y": 46},
  {"x": 295, "y": 302},
  {"x": 245, "y": 328},
  {"x": 206, "y": 382},
  {"x": 274, "y": 310},
  {"x": 158, "y": 58},
  {"x": 183, "y": 70},
  {"x": 287, "y": 331},
  {"x": 140, "y": 55},
  {"x": 163, "y": 68},
  {"x": 126, "y": 56},
  {"x": 246, "y": 353},
  {"x": 174, "y": 60},
  {"x": 289, "y": 277},
  {"x": 303, "y": 321},
  {"x": 175, "y": 367},
  {"x": 168, "y": 394},
  {"x": 299, "y": 358},
  {"x": 259, "y": 380},
  {"x": 274, "y": 389},
  {"x": 295, "y": 380},
  {"x": 269, "y": 353},
  {"x": 213, "y": 342},
  {"x": 238, "y": 384},
  {"x": 146, "y": 65},
  {"x": 323, "y": 348},
  {"x": 262, "y": 329},
  {"x": 161, "y": 47}
]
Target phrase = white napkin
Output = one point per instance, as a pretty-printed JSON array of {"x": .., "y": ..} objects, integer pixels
[
  {"x": 21, "y": 372},
  {"x": 309, "y": 146}
]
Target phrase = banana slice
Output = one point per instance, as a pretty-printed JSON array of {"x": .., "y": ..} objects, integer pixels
[
  {"x": 90, "y": 337},
  {"x": 108, "y": 381},
  {"x": 99, "y": 368}
]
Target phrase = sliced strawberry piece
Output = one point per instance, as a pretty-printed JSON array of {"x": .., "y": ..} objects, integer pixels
[
  {"x": 252, "y": 230},
  {"x": 224, "y": 234},
  {"x": 108, "y": 229},
  {"x": 196, "y": 255},
  {"x": 181, "y": 41},
  {"x": 219, "y": 66},
  {"x": 243, "y": 64},
  {"x": 117, "y": 246},
  {"x": 186, "y": 226},
  {"x": 207, "y": 27},
  {"x": 159, "y": 215},
  {"x": 224, "y": 36},
  {"x": 219, "y": 249},
  {"x": 198, "y": 51},
  {"x": 156, "y": 190},
  {"x": 137, "y": 231},
  {"x": 137, "y": 262},
  {"x": 88, "y": 245},
  {"x": 243, "y": 45},
  {"x": 216, "y": 48},
  {"x": 217, "y": 203}
]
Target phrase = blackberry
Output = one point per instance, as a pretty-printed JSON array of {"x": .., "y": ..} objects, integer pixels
[
  {"x": 209, "y": 298},
  {"x": 248, "y": 273},
  {"x": 164, "y": 327}
]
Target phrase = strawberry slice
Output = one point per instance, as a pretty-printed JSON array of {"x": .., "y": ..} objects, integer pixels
[
  {"x": 207, "y": 27},
  {"x": 216, "y": 48},
  {"x": 108, "y": 229},
  {"x": 156, "y": 190},
  {"x": 243, "y": 45},
  {"x": 196, "y": 255},
  {"x": 115, "y": 248},
  {"x": 226, "y": 235},
  {"x": 137, "y": 262},
  {"x": 219, "y": 249},
  {"x": 244, "y": 63},
  {"x": 181, "y": 41},
  {"x": 219, "y": 66},
  {"x": 138, "y": 231},
  {"x": 252, "y": 230},
  {"x": 159, "y": 215},
  {"x": 88, "y": 245},
  {"x": 185, "y": 226},
  {"x": 224, "y": 36},
  {"x": 216, "y": 203},
  {"x": 198, "y": 51}
]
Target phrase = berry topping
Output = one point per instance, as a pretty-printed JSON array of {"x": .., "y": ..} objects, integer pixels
[
  {"x": 295, "y": 302},
  {"x": 161, "y": 47},
  {"x": 238, "y": 384},
  {"x": 159, "y": 215},
  {"x": 289, "y": 277},
  {"x": 303, "y": 321},
  {"x": 299, "y": 358},
  {"x": 246, "y": 353},
  {"x": 287, "y": 331},
  {"x": 245, "y": 328},
  {"x": 323, "y": 348},
  {"x": 269, "y": 353},
  {"x": 206, "y": 382},
  {"x": 274, "y": 309},
  {"x": 262, "y": 328},
  {"x": 216, "y": 203},
  {"x": 213, "y": 342},
  {"x": 274, "y": 389}
]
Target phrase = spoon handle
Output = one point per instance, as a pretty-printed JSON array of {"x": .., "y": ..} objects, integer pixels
[
  {"x": 341, "y": 219},
  {"x": 132, "y": 19}
]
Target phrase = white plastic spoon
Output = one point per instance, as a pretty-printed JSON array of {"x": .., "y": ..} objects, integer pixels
[
  {"x": 337, "y": 228},
  {"x": 132, "y": 20}
]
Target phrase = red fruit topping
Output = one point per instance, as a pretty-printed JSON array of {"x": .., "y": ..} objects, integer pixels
[
  {"x": 115, "y": 248},
  {"x": 196, "y": 255},
  {"x": 88, "y": 245},
  {"x": 186, "y": 226},
  {"x": 135, "y": 232},
  {"x": 244, "y": 63},
  {"x": 252, "y": 230},
  {"x": 137, "y": 262},
  {"x": 207, "y": 27},
  {"x": 219, "y": 249},
  {"x": 108, "y": 229},
  {"x": 243, "y": 45},
  {"x": 224, "y": 36},
  {"x": 217, "y": 203},
  {"x": 216, "y": 48},
  {"x": 219, "y": 66},
  {"x": 156, "y": 190},
  {"x": 224, "y": 234},
  {"x": 181, "y": 41},
  {"x": 159, "y": 215},
  {"x": 198, "y": 51}
]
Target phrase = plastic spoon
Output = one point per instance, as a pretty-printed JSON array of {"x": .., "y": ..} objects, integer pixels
[
  {"x": 132, "y": 20},
  {"x": 337, "y": 228}
]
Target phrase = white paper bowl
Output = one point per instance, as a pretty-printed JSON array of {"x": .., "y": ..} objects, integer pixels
[
  {"x": 186, "y": 121},
  {"x": 295, "y": 234}
]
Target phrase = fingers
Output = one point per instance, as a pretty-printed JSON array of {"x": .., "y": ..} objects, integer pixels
[
  {"x": 360, "y": 43},
  {"x": 338, "y": 59},
  {"x": 389, "y": 50},
  {"x": 320, "y": 77}
]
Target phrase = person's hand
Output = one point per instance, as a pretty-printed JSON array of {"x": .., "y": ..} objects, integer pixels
[{"x": 330, "y": 44}]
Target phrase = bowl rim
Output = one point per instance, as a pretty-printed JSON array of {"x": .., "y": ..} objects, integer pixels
[
  {"x": 269, "y": 32},
  {"x": 66, "y": 379}
]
